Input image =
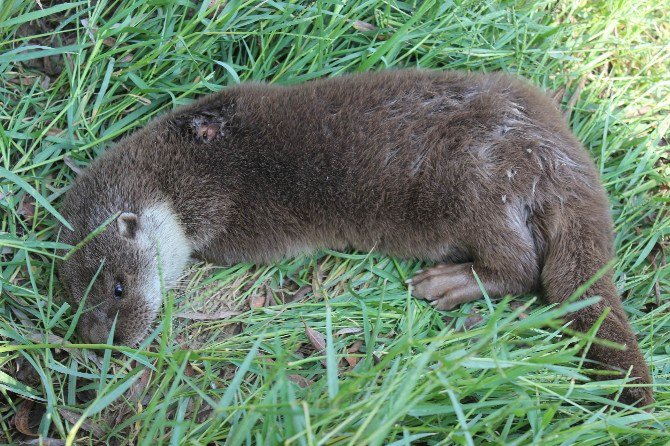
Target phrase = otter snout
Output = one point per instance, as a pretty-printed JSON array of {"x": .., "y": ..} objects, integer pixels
[
  {"x": 94, "y": 328},
  {"x": 131, "y": 326}
]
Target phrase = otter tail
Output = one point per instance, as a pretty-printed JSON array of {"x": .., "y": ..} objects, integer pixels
[{"x": 578, "y": 247}]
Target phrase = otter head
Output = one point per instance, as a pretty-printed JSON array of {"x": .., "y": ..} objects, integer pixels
[{"x": 118, "y": 276}]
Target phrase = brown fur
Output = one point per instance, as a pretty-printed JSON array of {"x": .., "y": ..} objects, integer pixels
[{"x": 478, "y": 171}]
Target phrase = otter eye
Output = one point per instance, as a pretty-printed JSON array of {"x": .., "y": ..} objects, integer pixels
[{"x": 118, "y": 291}]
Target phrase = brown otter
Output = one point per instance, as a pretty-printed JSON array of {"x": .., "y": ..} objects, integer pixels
[{"x": 478, "y": 172}]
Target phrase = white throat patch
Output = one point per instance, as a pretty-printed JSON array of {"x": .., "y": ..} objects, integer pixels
[{"x": 162, "y": 235}]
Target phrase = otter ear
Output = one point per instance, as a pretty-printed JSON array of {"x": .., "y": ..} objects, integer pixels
[{"x": 127, "y": 224}]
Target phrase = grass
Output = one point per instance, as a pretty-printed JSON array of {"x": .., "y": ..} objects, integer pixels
[{"x": 76, "y": 76}]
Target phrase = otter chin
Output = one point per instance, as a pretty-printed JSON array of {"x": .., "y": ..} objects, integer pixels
[{"x": 474, "y": 172}]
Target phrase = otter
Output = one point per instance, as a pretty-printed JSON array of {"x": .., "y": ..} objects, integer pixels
[{"x": 478, "y": 173}]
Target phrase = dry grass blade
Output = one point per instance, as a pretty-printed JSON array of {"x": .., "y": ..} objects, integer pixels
[
  {"x": 301, "y": 293},
  {"x": 471, "y": 321},
  {"x": 575, "y": 96},
  {"x": 354, "y": 348},
  {"x": 348, "y": 330},
  {"x": 86, "y": 425},
  {"x": 137, "y": 389},
  {"x": 257, "y": 300},
  {"x": 300, "y": 380},
  {"x": 43, "y": 441},
  {"x": 316, "y": 339},
  {"x": 198, "y": 316},
  {"x": 69, "y": 162},
  {"x": 362, "y": 26}
]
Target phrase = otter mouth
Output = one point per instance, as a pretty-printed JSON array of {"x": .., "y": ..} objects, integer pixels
[
  {"x": 117, "y": 339},
  {"x": 94, "y": 330}
]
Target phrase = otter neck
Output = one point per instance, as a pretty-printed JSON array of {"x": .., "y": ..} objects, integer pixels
[{"x": 164, "y": 236}]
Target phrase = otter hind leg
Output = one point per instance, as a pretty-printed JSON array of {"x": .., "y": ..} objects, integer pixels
[
  {"x": 446, "y": 286},
  {"x": 507, "y": 265}
]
